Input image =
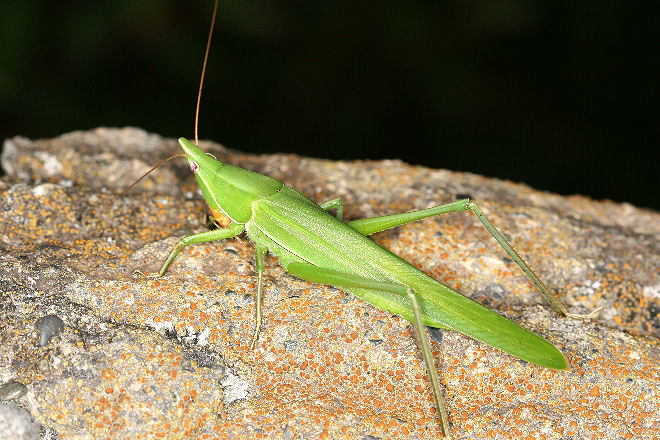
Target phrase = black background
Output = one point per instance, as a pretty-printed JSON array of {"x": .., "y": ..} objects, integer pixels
[{"x": 557, "y": 94}]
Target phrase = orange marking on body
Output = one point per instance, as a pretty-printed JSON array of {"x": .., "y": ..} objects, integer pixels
[{"x": 219, "y": 217}]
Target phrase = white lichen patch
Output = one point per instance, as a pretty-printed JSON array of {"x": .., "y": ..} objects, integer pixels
[{"x": 233, "y": 387}]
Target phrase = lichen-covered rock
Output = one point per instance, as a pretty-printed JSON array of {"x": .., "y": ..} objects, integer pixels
[{"x": 170, "y": 357}]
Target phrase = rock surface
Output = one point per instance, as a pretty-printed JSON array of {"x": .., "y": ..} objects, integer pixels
[
  {"x": 15, "y": 423},
  {"x": 142, "y": 358}
]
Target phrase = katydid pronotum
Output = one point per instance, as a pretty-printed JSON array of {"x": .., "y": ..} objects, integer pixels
[{"x": 316, "y": 246}]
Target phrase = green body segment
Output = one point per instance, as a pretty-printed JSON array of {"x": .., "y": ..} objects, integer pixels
[{"x": 297, "y": 230}]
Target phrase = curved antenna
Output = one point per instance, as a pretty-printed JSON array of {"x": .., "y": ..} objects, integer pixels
[
  {"x": 201, "y": 80},
  {"x": 149, "y": 172},
  {"x": 199, "y": 99}
]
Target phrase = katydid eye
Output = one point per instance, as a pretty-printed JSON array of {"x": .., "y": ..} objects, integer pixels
[{"x": 194, "y": 167}]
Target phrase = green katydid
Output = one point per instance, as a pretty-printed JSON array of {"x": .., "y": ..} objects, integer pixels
[{"x": 316, "y": 246}]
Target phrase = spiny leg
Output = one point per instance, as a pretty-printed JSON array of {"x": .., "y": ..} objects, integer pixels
[
  {"x": 369, "y": 226},
  {"x": 428, "y": 360},
  {"x": 554, "y": 302},
  {"x": 217, "y": 234},
  {"x": 260, "y": 252},
  {"x": 322, "y": 275}
]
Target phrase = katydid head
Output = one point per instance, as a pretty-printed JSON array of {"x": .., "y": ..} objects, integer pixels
[{"x": 228, "y": 190}]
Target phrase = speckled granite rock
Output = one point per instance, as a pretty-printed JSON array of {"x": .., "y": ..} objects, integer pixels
[{"x": 170, "y": 357}]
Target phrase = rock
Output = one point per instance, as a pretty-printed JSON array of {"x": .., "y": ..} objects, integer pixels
[
  {"x": 171, "y": 356},
  {"x": 48, "y": 327},
  {"x": 16, "y": 423},
  {"x": 12, "y": 390}
]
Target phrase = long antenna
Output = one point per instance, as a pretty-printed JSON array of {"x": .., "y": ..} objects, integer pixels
[
  {"x": 121, "y": 194},
  {"x": 199, "y": 98},
  {"x": 201, "y": 81}
]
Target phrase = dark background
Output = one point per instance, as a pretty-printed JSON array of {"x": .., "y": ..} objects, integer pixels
[{"x": 561, "y": 95}]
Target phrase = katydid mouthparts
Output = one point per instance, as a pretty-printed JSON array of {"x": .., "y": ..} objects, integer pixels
[{"x": 316, "y": 246}]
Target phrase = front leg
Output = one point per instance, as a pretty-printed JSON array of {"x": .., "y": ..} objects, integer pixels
[{"x": 218, "y": 234}]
